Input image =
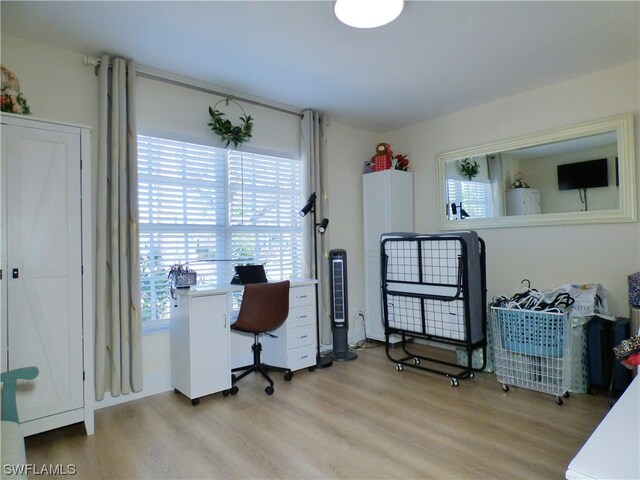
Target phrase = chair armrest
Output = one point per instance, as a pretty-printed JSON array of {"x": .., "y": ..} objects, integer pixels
[{"x": 9, "y": 380}]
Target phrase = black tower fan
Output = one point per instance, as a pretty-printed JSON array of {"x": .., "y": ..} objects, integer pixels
[{"x": 339, "y": 308}]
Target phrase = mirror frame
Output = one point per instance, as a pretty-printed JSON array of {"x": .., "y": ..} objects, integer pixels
[{"x": 621, "y": 124}]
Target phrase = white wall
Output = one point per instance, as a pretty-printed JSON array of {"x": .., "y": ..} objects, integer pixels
[
  {"x": 347, "y": 150},
  {"x": 549, "y": 255},
  {"x": 166, "y": 108}
]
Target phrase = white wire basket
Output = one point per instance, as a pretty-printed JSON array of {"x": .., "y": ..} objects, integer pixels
[{"x": 532, "y": 349}]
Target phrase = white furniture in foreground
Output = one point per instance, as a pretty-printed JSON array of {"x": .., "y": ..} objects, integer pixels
[
  {"x": 613, "y": 449},
  {"x": 201, "y": 355}
]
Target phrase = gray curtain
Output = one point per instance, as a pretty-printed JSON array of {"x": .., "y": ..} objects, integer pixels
[
  {"x": 496, "y": 177},
  {"x": 118, "y": 322},
  {"x": 314, "y": 159}
]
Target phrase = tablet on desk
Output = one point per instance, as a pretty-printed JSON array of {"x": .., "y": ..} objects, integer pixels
[{"x": 249, "y": 274}]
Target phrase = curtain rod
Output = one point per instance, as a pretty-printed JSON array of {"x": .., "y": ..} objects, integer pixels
[{"x": 149, "y": 73}]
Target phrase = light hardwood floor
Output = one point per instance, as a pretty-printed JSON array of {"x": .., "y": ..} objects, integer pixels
[{"x": 355, "y": 420}]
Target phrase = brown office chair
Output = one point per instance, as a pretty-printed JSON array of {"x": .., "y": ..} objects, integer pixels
[{"x": 264, "y": 308}]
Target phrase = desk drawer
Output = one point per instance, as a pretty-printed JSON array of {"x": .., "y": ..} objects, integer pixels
[
  {"x": 301, "y": 357},
  {"x": 297, "y": 337},
  {"x": 299, "y": 296},
  {"x": 299, "y": 316}
]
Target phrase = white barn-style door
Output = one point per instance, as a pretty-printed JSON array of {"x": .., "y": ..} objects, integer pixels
[{"x": 42, "y": 272}]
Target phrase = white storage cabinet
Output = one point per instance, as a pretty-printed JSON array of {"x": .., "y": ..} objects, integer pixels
[
  {"x": 47, "y": 288},
  {"x": 523, "y": 201},
  {"x": 387, "y": 207}
]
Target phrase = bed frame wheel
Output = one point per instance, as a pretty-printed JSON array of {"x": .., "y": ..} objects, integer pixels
[{"x": 559, "y": 400}]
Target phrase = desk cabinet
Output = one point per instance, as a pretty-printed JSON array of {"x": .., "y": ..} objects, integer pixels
[
  {"x": 294, "y": 345},
  {"x": 200, "y": 353}
]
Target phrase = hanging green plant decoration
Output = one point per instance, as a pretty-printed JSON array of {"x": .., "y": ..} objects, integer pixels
[
  {"x": 469, "y": 168},
  {"x": 229, "y": 133}
]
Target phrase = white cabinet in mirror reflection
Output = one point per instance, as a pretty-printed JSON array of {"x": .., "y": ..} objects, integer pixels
[{"x": 523, "y": 201}]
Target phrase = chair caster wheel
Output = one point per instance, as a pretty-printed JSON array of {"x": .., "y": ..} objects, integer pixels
[
  {"x": 225, "y": 393},
  {"x": 269, "y": 390},
  {"x": 288, "y": 376},
  {"x": 233, "y": 390},
  {"x": 454, "y": 382}
]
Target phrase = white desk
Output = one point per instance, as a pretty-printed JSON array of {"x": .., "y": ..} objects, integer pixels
[
  {"x": 613, "y": 449},
  {"x": 203, "y": 346}
]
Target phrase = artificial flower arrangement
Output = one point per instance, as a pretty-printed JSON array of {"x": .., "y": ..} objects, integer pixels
[
  {"x": 469, "y": 168},
  {"x": 519, "y": 181},
  {"x": 11, "y": 99},
  {"x": 385, "y": 159}
]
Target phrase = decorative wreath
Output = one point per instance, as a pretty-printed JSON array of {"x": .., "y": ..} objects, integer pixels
[
  {"x": 469, "y": 168},
  {"x": 229, "y": 133}
]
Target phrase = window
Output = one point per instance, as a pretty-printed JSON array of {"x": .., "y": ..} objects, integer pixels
[
  {"x": 474, "y": 197},
  {"x": 204, "y": 206}
]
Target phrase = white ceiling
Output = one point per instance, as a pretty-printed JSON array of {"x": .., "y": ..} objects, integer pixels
[{"x": 436, "y": 58}]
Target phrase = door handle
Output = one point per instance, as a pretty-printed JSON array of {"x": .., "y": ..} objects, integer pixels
[{"x": 15, "y": 273}]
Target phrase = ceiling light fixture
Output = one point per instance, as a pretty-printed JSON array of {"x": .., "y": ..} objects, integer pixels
[{"x": 367, "y": 13}]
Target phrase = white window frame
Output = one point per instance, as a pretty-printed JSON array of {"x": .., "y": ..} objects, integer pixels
[
  {"x": 271, "y": 220},
  {"x": 475, "y": 197}
]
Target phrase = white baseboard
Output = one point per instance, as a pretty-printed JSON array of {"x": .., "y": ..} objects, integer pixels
[
  {"x": 159, "y": 384},
  {"x": 152, "y": 385}
]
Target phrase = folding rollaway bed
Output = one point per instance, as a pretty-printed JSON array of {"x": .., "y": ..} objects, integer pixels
[{"x": 434, "y": 288}]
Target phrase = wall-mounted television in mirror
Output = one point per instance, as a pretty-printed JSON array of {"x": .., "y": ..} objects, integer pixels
[
  {"x": 583, "y": 175},
  {"x": 579, "y": 174}
]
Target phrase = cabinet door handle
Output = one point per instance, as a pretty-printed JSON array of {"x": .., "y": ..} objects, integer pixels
[
  {"x": 303, "y": 336},
  {"x": 225, "y": 319},
  {"x": 302, "y": 316},
  {"x": 302, "y": 296}
]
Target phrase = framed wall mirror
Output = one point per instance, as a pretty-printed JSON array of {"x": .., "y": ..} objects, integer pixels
[{"x": 574, "y": 175}]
